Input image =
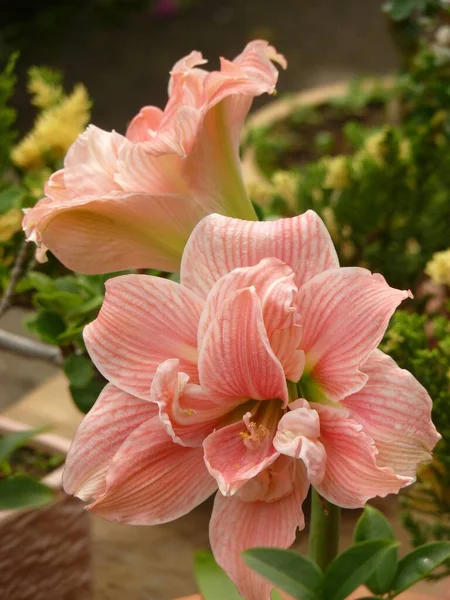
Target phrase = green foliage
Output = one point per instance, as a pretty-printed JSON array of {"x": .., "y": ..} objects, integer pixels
[
  {"x": 297, "y": 575},
  {"x": 211, "y": 579},
  {"x": 23, "y": 491},
  {"x": 7, "y": 113},
  {"x": 422, "y": 345},
  {"x": 364, "y": 563},
  {"x": 12, "y": 441}
]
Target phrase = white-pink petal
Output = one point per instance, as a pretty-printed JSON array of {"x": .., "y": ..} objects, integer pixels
[
  {"x": 144, "y": 321},
  {"x": 235, "y": 358},
  {"x": 220, "y": 244},
  {"x": 151, "y": 480},
  {"x": 395, "y": 410},
  {"x": 188, "y": 413},
  {"x": 298, "y": 436},
  {"x": 113, "y": 418},
  {"x": 237, "y": 525},
  {"x": 345, "y": 313},
  {"x": 352, "y": 476},
  {"x": 238, "y": 452}
]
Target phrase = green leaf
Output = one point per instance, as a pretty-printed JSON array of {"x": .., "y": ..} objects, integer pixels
[
  {"x": 37, "y": 281},
  {"x": 85, "y": 397},
  {"x": 79, "y": 370},
  {"x": 10, "y": 197},
  {"x": 293, "y": 573},
  {"x": 353, "y": 567},
  {"x": 63, "y": 301},
  {"x": 47, "y": 325},
  {"x": 23, "y": 491},
  {"x": 419, "y": 563},
  {"x": 12, "y": 441},
  {"x": 276, "y": 595},
  {"x": 373, "y": 525},
  {"x": 212, "y": 581}
]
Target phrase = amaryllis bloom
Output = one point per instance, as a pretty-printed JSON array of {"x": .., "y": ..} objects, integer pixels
[
  {"x": 257, "y": 375},
  {"x": 132, "y": 201}
]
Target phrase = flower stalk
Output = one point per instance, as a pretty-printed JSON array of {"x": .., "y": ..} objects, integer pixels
[{"x": 324, "y": 530}]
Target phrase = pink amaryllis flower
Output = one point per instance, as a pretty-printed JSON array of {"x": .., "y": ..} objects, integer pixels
[
  {"x": 257, "y": 375},
  {"x": 132, "y": 201}
]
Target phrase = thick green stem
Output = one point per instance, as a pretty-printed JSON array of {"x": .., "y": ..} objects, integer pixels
[{"x": 324, "y": 530}]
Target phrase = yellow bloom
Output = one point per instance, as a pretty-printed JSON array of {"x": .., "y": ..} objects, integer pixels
[
  {"x": 10, "y": 223},
  {"x": 44, "y": 94},
  {"x": 337, "y": 176},
  {"x": 286, "y": 184},
  {"x": 55, "y": 130},
  {"x": 375, "y": 146},
  {"x": 438, "y": 268}
]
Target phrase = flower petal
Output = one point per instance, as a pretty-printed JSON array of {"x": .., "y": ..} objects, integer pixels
[
  {"x": 113, "y": 418},
  {"x": 151, "y": 480},
  {"x": 119, "y": 231},
  {"x": 238, "y": 452},
  {"x": 143, "y": 321},
  {"x": 352, "y": 476},
  {"x": 274, "y": 284},
  {"x": 237, "y": 525},
  {"x": 219, "y": 244},
  {"x": 395, "y": 410},
  {"x": 298, "y": 436},
  {"x": 345, "y": 313},
  {"x": 236, "y": 358},
  {"x": 188, "y": 413},
  {"x": 144, "y": 123}
]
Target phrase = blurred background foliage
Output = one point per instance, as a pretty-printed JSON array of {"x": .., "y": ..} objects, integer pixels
[{"x": 374, "y": 163}]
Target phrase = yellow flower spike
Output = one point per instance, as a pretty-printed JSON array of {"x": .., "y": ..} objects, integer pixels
[
  {"x": 337, "y": 176},
  {"x": 10, "y": 223},
  {"x": 438, "y": 268}
]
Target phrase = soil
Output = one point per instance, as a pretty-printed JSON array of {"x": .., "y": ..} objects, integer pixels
[{"x": 31, "y": 461}]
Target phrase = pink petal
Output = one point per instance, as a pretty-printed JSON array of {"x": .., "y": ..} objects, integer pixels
[
  {"x": 119, "y": 231},
  {"x": 238, "y": 452},
  {"x": 352, "y": 476},
  {"x": 188, "y": 413},
  {"x": 113, "y": 418},
  {"x": 143, "y": 321},
  {"x": 236, "y": 358},
  {"x": 151, "y": 480},
  {"x": 274, "y": 284},
  {"x": 395, "y": 410},
  {"x": 90, "y": 163},
  {"x": 146, "y": 121},
  {"x": 219, "y": 244},
  {"x": 345, "y": 313},
  {"x": 298, "y": 436},
  {"x": 237, "y": 525}
]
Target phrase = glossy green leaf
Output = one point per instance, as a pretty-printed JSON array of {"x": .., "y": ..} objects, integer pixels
[
  {"x": 212, "y": 581},
  {"x": 79, "y": 370},
  {"x": 85, "y": 397},
  {"x": 47, "y": 325},
  {"x": 11, "y": 441},
  {"x": 23, "y": 491},
  {"x": 353, "y": 567},
  {"x": 293, "y": 573},
  {"x": 373, "y": 525},
  {"x": 419, "y": 563}
]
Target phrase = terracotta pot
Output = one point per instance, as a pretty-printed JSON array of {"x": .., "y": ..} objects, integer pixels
[
  {"x": 280, "y": 110},
  {"x": 45, "y": 552}
]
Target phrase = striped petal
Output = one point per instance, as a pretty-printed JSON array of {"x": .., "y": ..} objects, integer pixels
[
  {"x": 345, "y": 313},
  {"x": 113, "y": 418},
  {"x": 236, "y": 358},
  {"x": 395, "y": 410},
  {"x": 237, "y": 525},
  {"x": 143, "y": 321},
  {"x": 274, "y": 284},
  {"x": 238, "y": 452},
  {"x": 151, "y": 480},
  {"x": 352, "y": 475},
  {"x": 188, "y": 413},
  {"x": 219, "y": 244}
]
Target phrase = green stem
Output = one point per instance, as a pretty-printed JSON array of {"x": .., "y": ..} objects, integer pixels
[{"x": 324, "y": 530}]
